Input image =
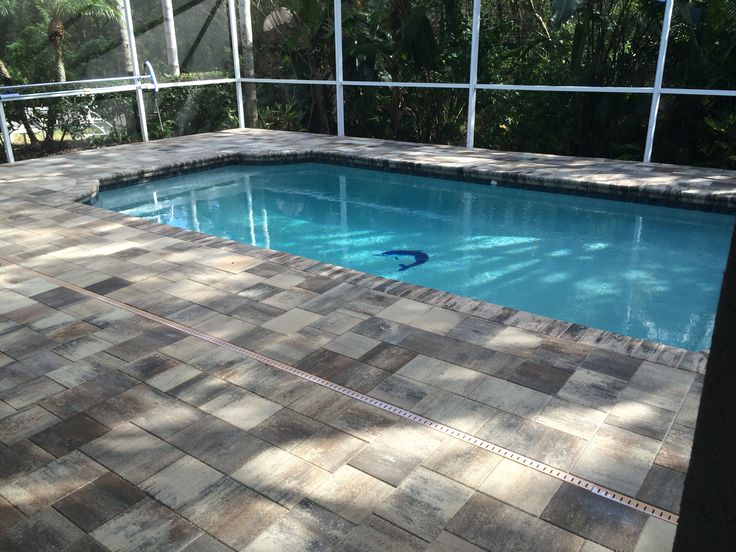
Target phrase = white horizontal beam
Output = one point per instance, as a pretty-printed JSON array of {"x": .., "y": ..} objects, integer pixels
[
  {"x": 67, "y": 93},
  {"x": 373, "y": 84},
  {"x": 697, "y": 92},
  {"x": 289, "y": 81},
  {"x": 393, "y": 84},
  {"x": 562, "y": 88},
  {"x": 180, "y": 84},
  {"x": 67, "y": 83}
]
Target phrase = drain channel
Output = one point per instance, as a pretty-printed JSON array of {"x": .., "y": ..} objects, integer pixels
[{"x": 496, "y": 449}]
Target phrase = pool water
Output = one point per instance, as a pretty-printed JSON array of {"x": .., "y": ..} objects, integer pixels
[{"x": 640, "y": 270}]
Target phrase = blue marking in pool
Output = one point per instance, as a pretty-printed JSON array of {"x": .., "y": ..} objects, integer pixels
[
  {"x": 420, "y": 257},
  {"x": 647, "y": 271}
]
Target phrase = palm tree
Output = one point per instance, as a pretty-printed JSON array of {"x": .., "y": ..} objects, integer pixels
[
  {"x": 60, "y": 11},
  {"x": 125, "y": 43}
]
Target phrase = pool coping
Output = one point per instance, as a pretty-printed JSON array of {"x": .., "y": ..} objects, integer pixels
[
  {"x": 682, "y": 197},
  {"x": 696, "y": 188}
]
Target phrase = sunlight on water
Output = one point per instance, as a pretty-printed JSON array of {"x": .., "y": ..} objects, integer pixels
[{"x": 640, "y": 270}]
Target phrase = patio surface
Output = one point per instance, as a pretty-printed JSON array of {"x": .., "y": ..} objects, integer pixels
[{"x": 119, "y": 432}]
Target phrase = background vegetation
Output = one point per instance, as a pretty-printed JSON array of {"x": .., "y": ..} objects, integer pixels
[{"x": 577, "y": 42}]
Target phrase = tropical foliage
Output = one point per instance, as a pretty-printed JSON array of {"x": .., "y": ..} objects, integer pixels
[{"x": 556, "y": 42}]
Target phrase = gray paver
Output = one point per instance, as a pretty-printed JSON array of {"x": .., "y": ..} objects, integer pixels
[
  {"x": 510, "y": 397},
  {"x": 241, "y": 408},
  {"x": 306, "y": 527},
  {"x": 377, "y": 535},
  {"x": 352, "y": 493},
  {"x": 282, "y": 477},
  {"x": 660, "y": 386},
  {"x": 46, "y": 530},
  {"x": 596, "y": 518},
  {"x": 493, "y": 525},
  {"x": 617, "y": 459},
  {"x": 100, "y": 501},
  {"x": 131, "y": 452},
  {"x": 147, "y": 526},
  {"x": 49, "y": 483},
  {"x": 424, "y": 502},
  {"x": 463, "y": 462}
]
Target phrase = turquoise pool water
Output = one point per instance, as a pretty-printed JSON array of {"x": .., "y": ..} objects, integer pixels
[{"x": 640, "y": 270}]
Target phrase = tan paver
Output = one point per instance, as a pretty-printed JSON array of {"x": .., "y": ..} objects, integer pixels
[
  {"x": 424, "y": 502},
  {"x": 282, "y": 477},
  {"x": 522, "y": 487},
  {"x": 292, "y": 321},
  {"x": 404, "y": 311},
  {"x": 351, "y": 492},
  {"x": 617, "y": 459}
]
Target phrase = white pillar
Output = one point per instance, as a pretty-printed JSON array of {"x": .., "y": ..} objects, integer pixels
[
  {"x": 472, "y": 90},
  {"x": 136, "y": 72},
  {"x": 6, "y": 135},
  {"x": 339, "y": 96},
  {"x": 666, "y": 22}
]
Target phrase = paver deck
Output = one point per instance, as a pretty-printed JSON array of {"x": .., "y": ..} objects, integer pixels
[{"x": 118, "y": 432}]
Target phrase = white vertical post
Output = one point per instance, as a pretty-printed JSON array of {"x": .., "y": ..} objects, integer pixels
[
  {"x": 236, "y": 60},
  {"x": 136, "y": 72},
  {"x": 472, "y": 90},
  {"x": 6, "y": 135},
  {"x": 339, "y": 96},
  {"x": 667, "y": 20}
]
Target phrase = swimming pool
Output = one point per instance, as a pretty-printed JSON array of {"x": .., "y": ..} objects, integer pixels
[{"x": 646, "y": 271}]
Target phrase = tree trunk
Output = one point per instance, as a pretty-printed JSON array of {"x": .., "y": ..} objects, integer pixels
[
  {"x": 7, "y": 79},
  {"x": 320, "y": 107},
  {"x": 395, "y": 113},
  {"x": 172, "y": 52},
  {"x": 250, "y": 99},
  {"x": 124, "y": 42},
  {"x": 399, "y": 10},
  {"x": 56, "y": 37}
]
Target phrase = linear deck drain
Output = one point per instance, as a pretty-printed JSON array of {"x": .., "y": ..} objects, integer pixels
[{"x": 496, "y": 449}]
